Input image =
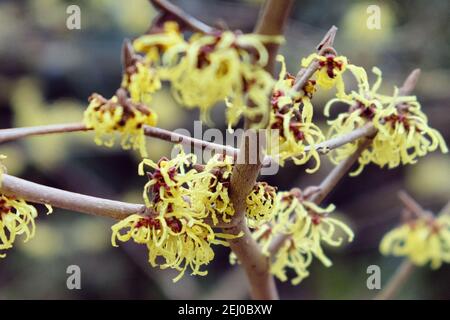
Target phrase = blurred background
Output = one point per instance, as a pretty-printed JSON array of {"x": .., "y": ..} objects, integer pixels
[{"x": 47, "y": 72}]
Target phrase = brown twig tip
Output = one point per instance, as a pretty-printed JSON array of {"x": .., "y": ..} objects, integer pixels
[
  {"x": 411, "y": 82},
  {"x": 328, "y": 39},
  {"x": 128, "y": 55},
  {"x": 411, "y": 204},
  {"x": 170, "y": 11},
  {"x": 304, "y": 74}
]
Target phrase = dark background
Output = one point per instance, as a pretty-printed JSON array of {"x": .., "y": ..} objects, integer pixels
[{"x": 47, "y": 73}]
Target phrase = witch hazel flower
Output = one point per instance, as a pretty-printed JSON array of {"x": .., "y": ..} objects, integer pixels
[
  {"x": 291, "y": 126},
  {"x": 16, "y": 219},
  {"x": 119, "y": 115},
  {"x": 403, "y": 132},
  {"x": 422, "y": 240}
]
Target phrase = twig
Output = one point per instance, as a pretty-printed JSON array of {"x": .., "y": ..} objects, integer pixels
[
  {"x": 173, "y": 11},
  {"x": 400, "y": 277},
  {"x": 411, "y": 204},
  {"x": 305, "y": 74},
  {"x": 271, "y": 21},
  {"x": 326, "y": 186},
  {"x": 38, "y": 193},
  {"x": 7, "y": 135}
]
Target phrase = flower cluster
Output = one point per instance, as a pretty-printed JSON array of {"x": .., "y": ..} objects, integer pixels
[
  {"x": 291, "y": 126},
  {"x": 403, "y": 131},
  {"x": 16, "y": 218},
  {"x": 306, "y": 227},
  {"x": 261, "y": 204},
  {"x": 209, "y": 68},
  {"x": 423, "y": 240},
  {"x": 119, "y": 114},
  {"x": 212, "y": 190},
  {"x": 331, "y": 68},
  {"x": 174, "y": 227},
  {"x": 141, "y": 81}
]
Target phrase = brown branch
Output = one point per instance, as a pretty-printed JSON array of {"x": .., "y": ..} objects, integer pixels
[
  {"x": 37, "y": 193},
  {"x": 271, "y": 21},
  {"x": 411, "y": 204},
  {"x": 7, "y": 135},
  {"x": 186, "y": 19},
  {"x": 400, "y": 277}
]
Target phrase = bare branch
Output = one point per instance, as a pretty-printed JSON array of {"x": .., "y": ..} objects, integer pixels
[
  {"x": 7, "y": 135},
  {"x": 189, "y": 21},
  {"x": 271, "y": 21},
  {"x": 411, "y": 204},
  {"x": 400, "y": 277},
  {"x": 37, "y": 193}
]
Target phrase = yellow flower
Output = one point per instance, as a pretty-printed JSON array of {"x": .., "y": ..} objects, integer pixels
[
  {"x": 261, "y": 204},
  {"x": 423, "y": 240},
  {"x": 211, "y": 192},
  {"x": 153, "y": 45},
  {"x": 213, "y": 67},
  {"x": 16, "y": 218},
  {"x": 291, "y": 256},
  {"x": 173, "y": 227},
  {"x": 331, "y": 68},
  {"x": 175, "y": 236},
  {"x": 119, "y": 114},
  {"x": 171, "y": 180},
  {"x": 403, "y": 131},
  {"x": 179, "y": 197},
  {"x": 141, "y": 81},
  {"x": 307, "y": 227},
  {"x": 291, "y": 122}
]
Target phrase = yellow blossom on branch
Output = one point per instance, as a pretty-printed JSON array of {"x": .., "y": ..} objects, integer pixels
[
  {"x": 16, "y": 218},
  {"x": 403, "y": 130},
  {"x": 175, "y": 236},
  {"x": 209, "y": 68},
  {"x": 174, "y": 226},
  {"x": 306, "y": 226},
  {"x": 119, "y": 115},
  {"x": 329, "y": 73},
  {"x": 210, "y": 193},
  {"x": 291, "y": 126},
  {"x": 261, "y": 203},
  {"x": 423, "y": 240},
  {"x": 141, "y": 81},
  {"x": 153, "y": 45}
]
